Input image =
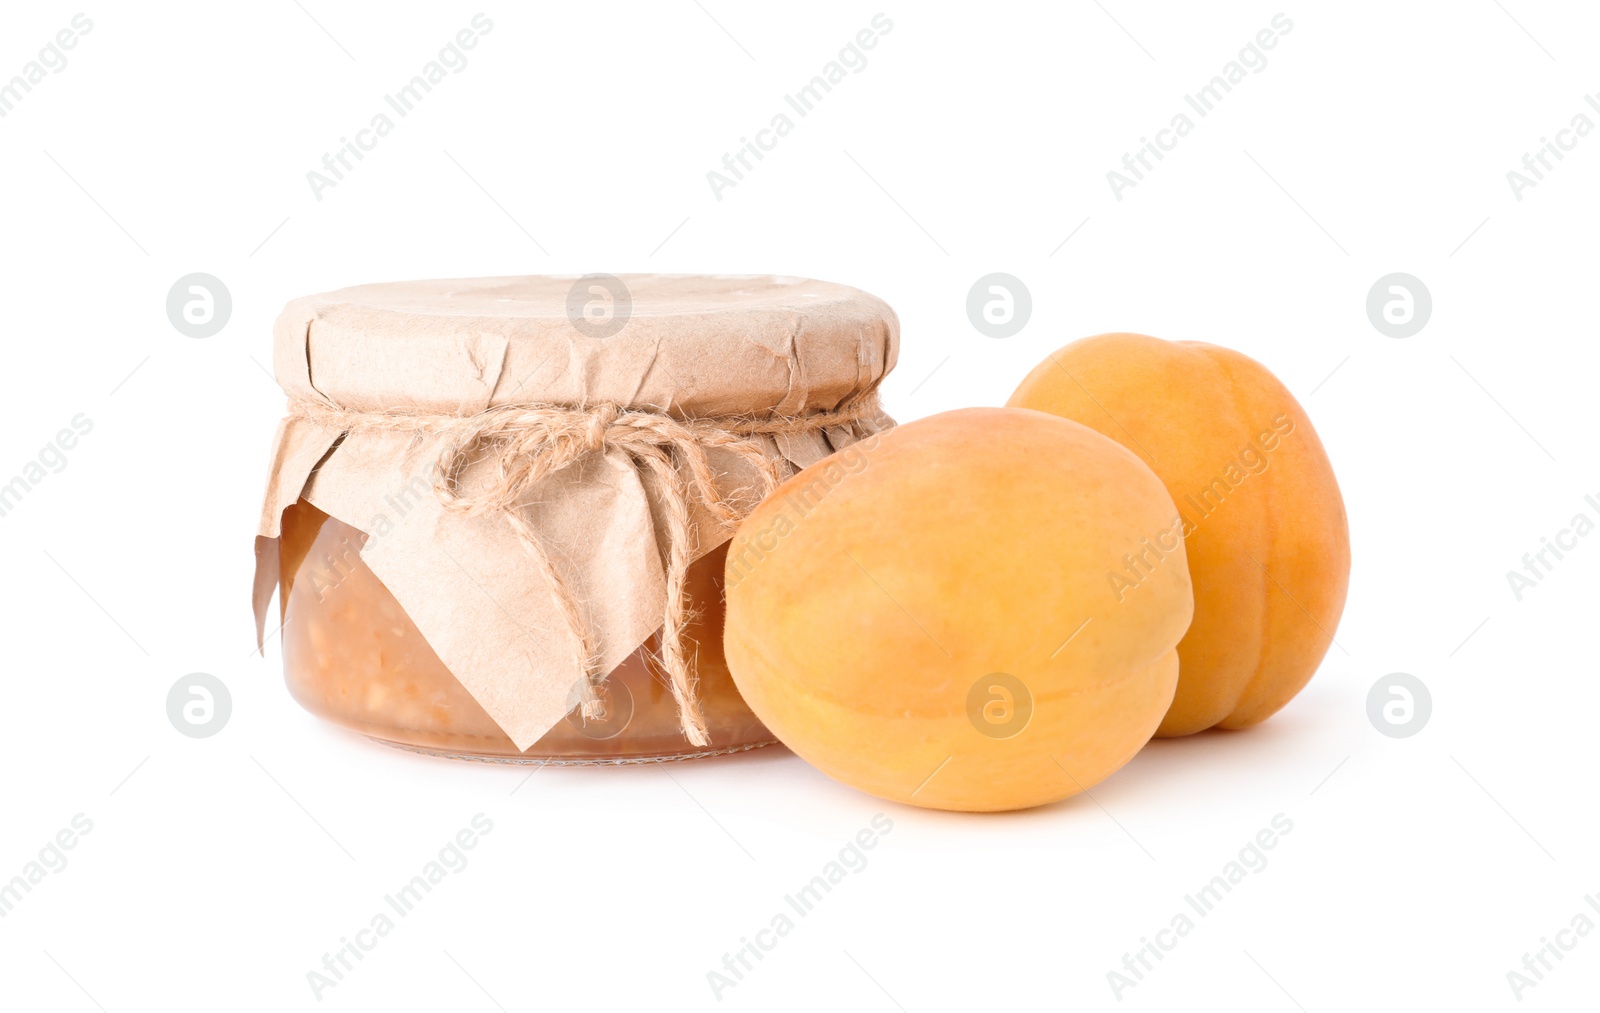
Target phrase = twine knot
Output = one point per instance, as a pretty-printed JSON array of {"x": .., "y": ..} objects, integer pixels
[
  {"x": 600, "y": 422},
  {"x": 527, "y": 443}
]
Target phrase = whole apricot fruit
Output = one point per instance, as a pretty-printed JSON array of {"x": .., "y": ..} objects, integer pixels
[
  {"x": 926, "y": 615},
  {"x": 1264, "y": 525}
]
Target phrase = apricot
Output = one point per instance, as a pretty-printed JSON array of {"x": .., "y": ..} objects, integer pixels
[
  {"x": 1264, "y": 525},
  {"x": 926, "y": 615}
]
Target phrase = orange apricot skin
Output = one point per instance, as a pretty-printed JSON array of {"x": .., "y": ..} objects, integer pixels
[
  {"x": 876, "y": 592},
  {"x": 1265, "y": 530}
]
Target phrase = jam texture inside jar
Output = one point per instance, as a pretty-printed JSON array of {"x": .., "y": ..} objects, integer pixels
[
  {"x": 497, "y": 522},
  {"x": 352, "y": 655}
]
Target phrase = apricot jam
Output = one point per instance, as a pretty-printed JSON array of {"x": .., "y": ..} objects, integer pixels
[{"x": 353, "y": 656}]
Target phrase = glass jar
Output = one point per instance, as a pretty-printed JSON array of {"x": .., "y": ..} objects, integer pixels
[
  {"x": 351, "y": 655},
  {"x": 487, "y": 492}
]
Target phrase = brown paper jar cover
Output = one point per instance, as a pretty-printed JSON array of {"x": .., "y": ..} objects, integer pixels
[{"x": 431, "y": 628}]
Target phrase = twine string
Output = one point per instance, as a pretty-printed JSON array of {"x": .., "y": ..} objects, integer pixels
[{"x": 529, "y": 443}]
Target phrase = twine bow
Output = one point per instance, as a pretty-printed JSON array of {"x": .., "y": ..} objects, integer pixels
[{"x": 528, "y": 443}]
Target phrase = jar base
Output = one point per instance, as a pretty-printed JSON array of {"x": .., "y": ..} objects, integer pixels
[{"x": 527, "y": 760}]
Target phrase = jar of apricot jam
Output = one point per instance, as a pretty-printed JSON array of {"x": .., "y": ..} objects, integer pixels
[{"x": 678, "y": 347}]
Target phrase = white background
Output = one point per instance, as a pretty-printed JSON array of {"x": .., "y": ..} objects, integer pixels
[{"x": 1377, "y": 139}]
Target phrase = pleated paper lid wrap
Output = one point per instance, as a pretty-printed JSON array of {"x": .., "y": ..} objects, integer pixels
[{"x": 659, "y": 398}]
